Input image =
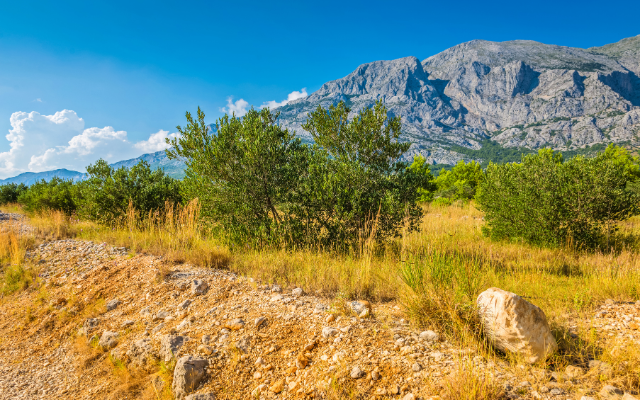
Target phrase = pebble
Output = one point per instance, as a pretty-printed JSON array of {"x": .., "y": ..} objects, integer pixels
[{"x": 356, "y": 373}]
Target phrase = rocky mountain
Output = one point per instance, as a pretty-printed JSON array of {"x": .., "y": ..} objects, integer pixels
[
  {"x": 484, "y": 95},
  {"x": 173, "y": 168}
]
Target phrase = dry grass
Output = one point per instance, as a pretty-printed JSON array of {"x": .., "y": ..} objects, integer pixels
[{"x": 466, "y": 383}]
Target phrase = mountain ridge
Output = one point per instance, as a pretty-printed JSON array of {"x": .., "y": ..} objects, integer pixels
[
  {"x": 518, "y": 94},
  {"x": 159, "y": 159}
]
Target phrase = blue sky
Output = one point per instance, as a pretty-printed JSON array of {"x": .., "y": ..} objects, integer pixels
[{"x": 137, "y": 66}]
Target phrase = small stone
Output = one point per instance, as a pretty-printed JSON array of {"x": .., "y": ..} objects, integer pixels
[
  {"x": 259, "y": 389},
  {"x": 170, "y": 345},
  {"x": 206, "y": 339},
  {"x": 302, "y": 361},
  {"x": 185, "y": 304},
  {"x": 416, "y": 367},
  {"x": 108, "y": 340},
  {"x": 429, "y": 336},
  {"x": 356, "y": 373},
  {"x": 182, "y": 326},
  {"x": 127, "y": 324},
  {"x": 610, "y": 392},
  {"x": 587, "y": 398},
  {"x": 330, "y": 318},
  {"x": 297, "y": 292},
  {"x": 199, "y": 287},
  {"x": 375, "y": 375},
  {"x": 160, "y": 315},
  {"x": 359, "y": 306},
  {"x": 187, "y": 375},
  {"x": 259, "y": 321},
  {"x": 235, "y": 324},
  {"x": 158, "y": 328},
  {"x": 276, "y": 289},
  {"x": 113, "y": 304},
  {"x": 409, "y": 396},
  {"x": 365, "y": 314},
  {"x": 204, "y": 349},
  {"x": 573, "y": 372},
  {"x": 328, "y": 332},
  {"x": 394, "y": 389},
  {"x": 277, "y": 387},
  {"x": 257, "y": 375},
  {"x": 276, "y": 297}
]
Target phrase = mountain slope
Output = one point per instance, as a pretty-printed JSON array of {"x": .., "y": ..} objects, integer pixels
[
  {"x": 29, "y": 178},
  {"x": 156, "y": 160},
  {"x": 516, "y": 93}
]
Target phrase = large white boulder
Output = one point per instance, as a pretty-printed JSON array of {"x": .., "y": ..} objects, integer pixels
[{"x": 515, "y": 325}]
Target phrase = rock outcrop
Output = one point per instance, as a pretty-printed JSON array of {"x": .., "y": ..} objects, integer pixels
[
  {"x": 515, "y": 325},
  {"x": 517, "y": 93}
]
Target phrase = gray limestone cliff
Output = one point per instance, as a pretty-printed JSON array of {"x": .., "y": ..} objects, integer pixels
[{"x": 518, "y": 94}]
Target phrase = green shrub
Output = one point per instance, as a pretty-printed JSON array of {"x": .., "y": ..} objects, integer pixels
[
  {"x": 356, "y": 186},
  {"x": 243, "y": 173},
  {"x": 10, "y": 192},
  {"x": 549, "y": 202},
  {"x": 460, "y": 183},
  {"x": 106, "y": 193},
  {"x": 57, "y": 194},
  {"x": 420, "y": 167},
  {"x": 260, "y": 183}
]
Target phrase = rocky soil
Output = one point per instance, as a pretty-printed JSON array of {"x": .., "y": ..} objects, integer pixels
[{"x": 107, "y": 324}]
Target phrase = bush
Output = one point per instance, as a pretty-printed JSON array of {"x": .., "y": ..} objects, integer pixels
[
  {"x": 549, "y": 202},
  {"x": 243, "y": 173},
  {"x": 356, "y": 186},
  {"x": 10, "y": 192},
  {"x": 460, "y": 183},
  {"x": 105, "y": 195},
  {"x": 57, "y": 194},
  {"x": 260, "y": 183},
  {"x": 420, "y": 167}
]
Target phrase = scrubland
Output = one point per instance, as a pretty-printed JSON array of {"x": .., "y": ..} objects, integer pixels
[{"x": 435, "y": 274}]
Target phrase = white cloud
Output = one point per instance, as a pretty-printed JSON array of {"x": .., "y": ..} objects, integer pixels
[
  {"x": 239, "y": 108},
  {"x": 38, "y": 100},
  {"x": 156, "y": 142},
  {"x": 44, "y": 142},
  {"x": 295, "y": 95}
]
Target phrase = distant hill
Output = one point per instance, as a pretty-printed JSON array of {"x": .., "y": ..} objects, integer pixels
[
  {"x": 156, "y": 160},
  {"x": 29, "y": 178},
  {"x": 159, "y": 159}
]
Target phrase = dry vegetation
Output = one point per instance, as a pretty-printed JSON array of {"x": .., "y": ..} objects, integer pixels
[{"x": 436, "y": 274}]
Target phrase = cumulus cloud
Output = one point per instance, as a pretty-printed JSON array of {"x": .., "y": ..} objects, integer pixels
[
  {"x": 239, "y": 108},
  {"x": 295, "y": 95},
  {"x": 44, "y": 142},
  {"x": 156, "y": 142}
]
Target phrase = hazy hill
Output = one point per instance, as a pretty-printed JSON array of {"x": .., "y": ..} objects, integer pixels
[{"x": 156, "y": 160}]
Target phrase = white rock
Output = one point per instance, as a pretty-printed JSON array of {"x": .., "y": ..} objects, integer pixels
[
  {"x": 429, "y": 336},
  {"x": 199, "y": 287},
  {"x": 297, "y": 292},
  {"x": 328, "y": 331},
  {"x": 357, "y": 373},
  {"x": 515, "y": 325}
]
